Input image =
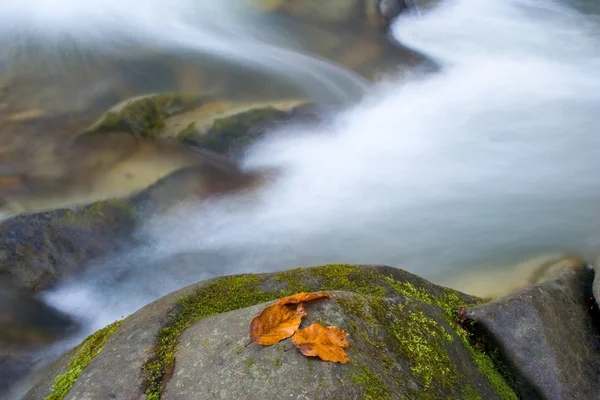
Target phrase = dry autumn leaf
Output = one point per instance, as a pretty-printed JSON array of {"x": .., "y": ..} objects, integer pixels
[
  {"x": 303, "y": 297},
  {"x": 327, "y": 343},
  {"x": 275, "y": 323}
]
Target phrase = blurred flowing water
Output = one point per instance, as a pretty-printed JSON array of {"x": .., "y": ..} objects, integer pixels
[{"x": 489, "y": 161}]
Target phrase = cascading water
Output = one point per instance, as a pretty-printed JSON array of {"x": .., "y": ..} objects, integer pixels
[{"x": 487, "y": 162}]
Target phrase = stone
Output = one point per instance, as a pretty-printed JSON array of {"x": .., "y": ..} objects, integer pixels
[
  {"x": 192, "y": 344},
  {"x": 38, "y": 250},
  {"x": 547, "y": 335}
]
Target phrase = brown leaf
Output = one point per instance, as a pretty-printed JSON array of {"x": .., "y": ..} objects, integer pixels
[
  {"x": 327, "y": 343},
  {"x": 303, "y": 297},
  {"x": 275, "y": 323}
]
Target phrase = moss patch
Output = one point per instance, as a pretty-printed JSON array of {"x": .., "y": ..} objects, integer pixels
[
  {"x": 374, "y": 386},
  {"x": 145, "y": 117},
  {"x": 420, "y": 340},
  {"x": 88, "y": 350},
  {"x": 417, "y": 338},
  {"x": 450, "y": 302},
  {"x": 105, "y": 212},
  {"x": 344, "y": 277}
]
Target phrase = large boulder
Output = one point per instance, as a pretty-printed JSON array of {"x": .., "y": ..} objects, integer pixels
[
  {"x": 547, "y": 334},
  {"x": 192, "y": 344}
]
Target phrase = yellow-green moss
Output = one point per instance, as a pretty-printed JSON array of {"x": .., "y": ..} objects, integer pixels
[
  {"x": 468, "y": 393},
  {"x": 451, "y": 303},
  {"x": 409, "y": 290},
  {"x": 344, "y": 277},
  {"x": 188, "y": 132},
  {"x": 88, "y": 350},
  {"x": 420, "y": 339},
  {"x": 105, "y": 212},
  {"x": 145, "y": 117},
  {"x": 373, "y": 385}
]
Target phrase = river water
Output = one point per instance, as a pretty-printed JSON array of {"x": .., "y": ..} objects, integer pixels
[{"x": 485, "y": 163}]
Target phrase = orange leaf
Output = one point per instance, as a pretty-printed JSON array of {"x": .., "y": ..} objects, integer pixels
[
  {"x": 303, "y": 297},
  {"x": 275, "y": 323},
  {"x": 327, "y": 343}
]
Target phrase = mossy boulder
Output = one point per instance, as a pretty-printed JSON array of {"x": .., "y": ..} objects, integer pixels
[
  {"x": 217, "y": 125},
  {"x": 405, "y": 333},
  {"x": 38, "y": 250},
  {"x": 548, "y": 334}
]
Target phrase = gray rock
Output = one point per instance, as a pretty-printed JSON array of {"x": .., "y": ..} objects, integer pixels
[
  {"x": 191, "y": 344},
  {"x": 38, "y": 250},
  {"x": 547, "y": 335}
]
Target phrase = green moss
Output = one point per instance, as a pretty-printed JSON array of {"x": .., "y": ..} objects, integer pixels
[
  {"x": 344, "y": 277},
  {"x": 420, "y": 340},
  {"x": 468, "y": 393},
  {"x": 292, "y": 279},
  {"x": 373, "y": 385},
  {"x": 486, "y": 366},
  {"x": 409, "y": 290},
  {"x": 249, "y": 363},
  {"x": 278, "y": 362},
  {"x": 145, "y": 117},
  {"x": 88, "y": 350},
  {"x": 349, "y": 278},
  {"x": 106, "y": 212},
  {"x": 450, "y": 303},
  {"x": 187, "y": 133}
]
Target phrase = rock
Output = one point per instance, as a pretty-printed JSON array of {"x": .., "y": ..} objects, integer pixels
[
  {"x": 375, "y": 13},
  {"x": 144, "y": 116},
  {"x": 350, "y": 33},
  {"x": 191, "y": 344},
  {"x": 204, "y": 121},
  {"x": 38, "y": 250},
  {"x": 547, "y": 335},
  {"x": 94, "y": 167},
  {"x": 234, "y": 132},
  {"x": 194, "y": 184}
]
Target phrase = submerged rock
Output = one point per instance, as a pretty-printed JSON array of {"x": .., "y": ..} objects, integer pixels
[
  {"x": 144, "y": 116},
  {"x": 194, "y": 184},
  {"x": 548, "y": 335},
  {"x": 38, "y": 250},
  {"x": 202, "y": 121},
  {"x": 232, "y": 134},
  {"x": 406, "y": 343}
]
